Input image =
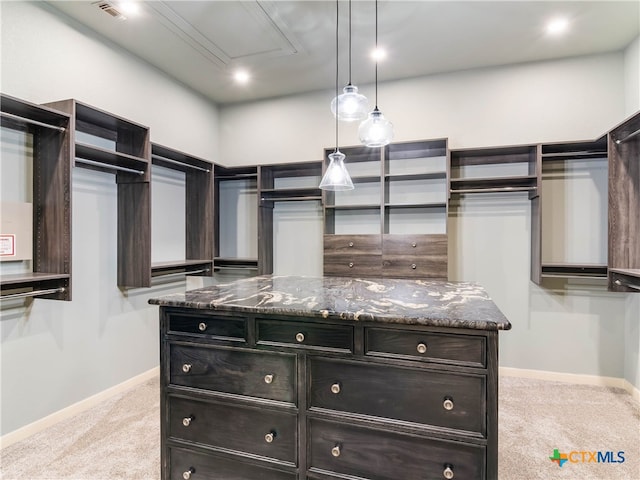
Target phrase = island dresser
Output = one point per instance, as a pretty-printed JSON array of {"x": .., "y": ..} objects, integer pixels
[{"x": 291, "y": 378}]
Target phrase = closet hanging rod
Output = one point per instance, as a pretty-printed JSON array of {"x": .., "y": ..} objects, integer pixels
[
  {"x": 33, "y": 122},
  {"x": 496, "y": 189},
  {"x": 625, "y": 284},
  {"x": 239, "y": 267},
  {"x": 288, "y": 199},
  {"x": 571, "y": 154},
  {"x": 628, "y": 137},
  {"x": 106, "y": 165},
  {"x": 34, "y": 293},
  {"x": 188, "y": 272},
  {"x": 182, "y": 164}
]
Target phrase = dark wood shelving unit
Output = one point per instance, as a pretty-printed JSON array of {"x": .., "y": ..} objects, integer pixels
[
  {"x": 199, "y": 212},
  {"x": 249, "y": 177},
  {"x": 552, "y": 157},
  {"x": 413, "y": 179},
  {"x": 624, "y": 206},
  {"x": 305, "y": 176},
  {"x": 51, "y": 263},
  {"x": 129, "y": 160}
]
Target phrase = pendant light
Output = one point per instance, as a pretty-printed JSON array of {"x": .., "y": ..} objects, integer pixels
[
  {"x": 336, "y": 178},
  {"x": 376, "y": 130},
  {"x": 350, "y": 106}
]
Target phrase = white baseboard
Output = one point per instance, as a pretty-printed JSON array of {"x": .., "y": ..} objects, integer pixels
[
  {"x": 73, "y": 410},
  {"x": 573, "y": 378}
]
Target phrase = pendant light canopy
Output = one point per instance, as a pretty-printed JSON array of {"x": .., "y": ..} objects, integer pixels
[
  {"x": 376, "y": 130},
  {"x": 350, "y": 106},
  {"x": 336, "y": 178}
]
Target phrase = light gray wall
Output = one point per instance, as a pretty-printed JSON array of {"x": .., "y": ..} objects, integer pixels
[
  {"x": 572, "y": 327},
  {"x": 518, "y": 104},
  {"x": 632, "y": 76},
  {"x": 52, "y": 353}
]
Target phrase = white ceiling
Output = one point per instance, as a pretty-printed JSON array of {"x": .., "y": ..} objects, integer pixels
[{"x": 289, "y": 46}]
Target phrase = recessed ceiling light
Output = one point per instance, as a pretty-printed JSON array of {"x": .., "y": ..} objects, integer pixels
[
  {"x": 378, "y": 54},
  {"x": 129, "y": 8},
  {"x": 557, "y": 26},
  {"x": 241, "y": 76}
]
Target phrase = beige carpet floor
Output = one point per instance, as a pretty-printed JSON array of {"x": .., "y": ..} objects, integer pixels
[{"x": 120, "y": 439}]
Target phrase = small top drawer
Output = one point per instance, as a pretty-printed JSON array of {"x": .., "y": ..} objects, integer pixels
[
  {"x": 227, "y": 328},
  {"x": 415, "y": 245},
  {"x": 305, "y": 335},
  {"x": 240, "y": 372},
  {"x": 465, "y": 350},
  {"x": 352, "y": 244}
]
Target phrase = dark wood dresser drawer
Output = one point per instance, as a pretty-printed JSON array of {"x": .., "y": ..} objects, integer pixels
[
  {"x": 431, "y": 347},
  {"x": 195, "y": 466},
  {"x": 352, "y": 244},
  {"x": 251, "y": 430},
  {"x": 373, "y": 454},
  {"x": 222, "y": 327},
  {"x": 241, "y": 372},
  {"x": 305, "y": 335},
  {"x": 353, "y": 265},
  {"x": 415, "y": 245},
  {"x": 443, "y": 399},
  {"x": 400, "y": 266}
]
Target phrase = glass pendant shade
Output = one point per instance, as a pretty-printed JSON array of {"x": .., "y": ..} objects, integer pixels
[
  {"x": 336, "y": 178},
  {"x": 350, "y": 105},
  {"x": 376, "y": 131}
]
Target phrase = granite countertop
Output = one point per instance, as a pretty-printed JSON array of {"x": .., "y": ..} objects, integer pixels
[{"x": 409, "y": 302}]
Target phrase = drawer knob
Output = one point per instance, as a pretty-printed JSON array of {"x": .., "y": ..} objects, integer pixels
[
  {"x": 187, "y": 474},
  {"x": 268, "y": 378},
  {"x": 422, "y": 348},
  {"x": 202, "y": 326},
  {"x": 350, "y": 244},
  {"x": 270, "y": 437},
  {"x": 186, "y": 421},
  {"x": 350, "y": 264},
  {"x": 448, "y": 472},
  {"x": 413, "y": 266},
  {"x": 448, "y": 404},
  {"x": 335, "y": 388},
  {"x": 186, "y": 368},
  {"x": 414, "y": 244},
  {"x": 299, "y": 337},
  {"x": 335, "y": 451}
]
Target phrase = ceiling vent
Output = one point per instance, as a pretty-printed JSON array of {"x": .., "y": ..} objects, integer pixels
[{"x": 109, "y": 8}]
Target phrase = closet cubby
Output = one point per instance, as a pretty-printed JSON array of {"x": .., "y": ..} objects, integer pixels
[
  {"x": 624, "y": 206},
  {"x": 495, "y": 170},
  {"x": 108, "y": 143},
  {"x": 50, "y": 269},
  {"x": 199, "y": 213},
  {"x": 294, "y": 182},
  {"x": 236, "y": 219},
  {"x": 568, "y": 219}
]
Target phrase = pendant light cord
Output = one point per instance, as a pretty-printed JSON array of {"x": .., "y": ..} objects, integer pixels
[
  {"x": 337, "y": 103},
  {"x": 377, "y": 54},
  {"x": 349, "y": 42}
]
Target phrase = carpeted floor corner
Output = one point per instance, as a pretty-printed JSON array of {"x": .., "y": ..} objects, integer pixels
[{"x": 120, "y": 438}]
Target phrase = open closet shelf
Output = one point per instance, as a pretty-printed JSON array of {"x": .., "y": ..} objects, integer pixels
[
  {"x": 494, "y": 184},
  {"x": 569, "y": 270},
  {"x": 222, "y": 263},
  {"x": 284, "y": 194},
  {"x": 181, "y": 267},
  {"x": 109, "y": 157},
  {"x": 416, "y": 205}
]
